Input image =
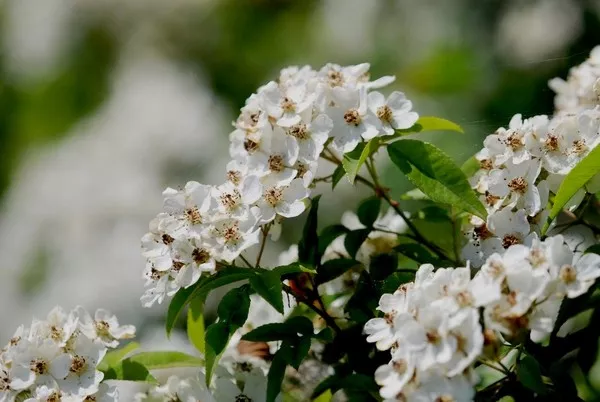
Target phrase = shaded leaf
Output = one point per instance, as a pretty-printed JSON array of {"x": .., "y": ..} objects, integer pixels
[
  {"x": 368, "y": 211},
  {"x": 308, "y": 245},
  {"x": 177, "y": 304},
  {"x": 436, "y": 174},
  {"x": 277, "y": 373},
  {"x": 217, "y": 337},
  {"x": 354, "y": 240},
  {"x": 416, "y": 252},
  {"x": 529, "y": 374},
  {"x": 470, "y": 166},
  {"x": 338, "y": 173},
  {"x": 353, "y": 160},
  {"x": 234, "y": 307},
  {"x": 329, "y": 234},
  {"x": 268, "y": 285},
  {"x": 334, "y": 268},
  {"x": 128, "y": 370}
]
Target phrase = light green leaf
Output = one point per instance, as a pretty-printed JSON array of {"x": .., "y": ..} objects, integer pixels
[
  {"x": 195, "y": 325},
  {"x": 324, "y": 397},
  {"x": 217, "y": 337},
  {"x": 529, "y": 374},
  {"x": 587, "y": 168},
  {"x": 166, "y": 359},
  {"x": 177, "y": 304},
  {"x": 353, "y": 160},
  {"x": 293, "y": 268},
  {"x": 128, "y": 370},
  {"x": 115, "y": 356},
  {"x": 470, "y": 166},
  {"x": 337, "y": 175},
  {"x": 436, "y": 174},
  {"x": 431, "y": 123},
  {"x": 268, "y": 285}
]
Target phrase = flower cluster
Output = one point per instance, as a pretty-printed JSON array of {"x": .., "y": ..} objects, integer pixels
[
  {"x": 279, "y": 136},
  {"x": 432, "y": 326},
  {"x": 520, "y": 166},
  {"x": 56, "y": 359}
]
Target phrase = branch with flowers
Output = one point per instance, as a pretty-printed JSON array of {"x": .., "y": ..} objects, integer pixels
[{"x": 488, "y": 291}]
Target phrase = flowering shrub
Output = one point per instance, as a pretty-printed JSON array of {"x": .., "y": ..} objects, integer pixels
[{"x": 486, "y": 291}]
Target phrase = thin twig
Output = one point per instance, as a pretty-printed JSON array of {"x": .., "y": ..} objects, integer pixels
[
  {"x": 265, "y": 232},
  {"x": 323, "y": 314},
  {"x": 245, "y": 260}
]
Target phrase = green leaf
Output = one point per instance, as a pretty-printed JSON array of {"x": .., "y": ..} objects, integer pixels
[
  {"x": 325, "y": 335},
  {"x": 281, "y": 331},
  {"x": 587, "y": 168},
  {"x": 277, "y": 373},
  {"x": 234, "y": 307},
  {"x": 115, "y": 356},
  {"x": 338, "y": 173},
  {"x": 431, "y": 123},
  {"x": 382, "y": 265},
  {"x": 434, "y": 213},
  {"x": 470, "y": 166},
  {"x": 334, "y": 268},
  {"x": 268, "y": 285},
  {"x": 329, "y": 234},
  {"x": 177, "y": 304},
  {"x": 529, "y": 374},
  {"x": 329, "y": 383},
  {"x": 368, "y": 211},
  {"x": 354, "y": 240},
  {"x": 393, "y": 282},
  {"x": 362, "y": 304},
  {"x": 593, "y": 249},
  {"x": 195, "y": 325},
  {"x": 436, "y": 174},
  {"x": 293, "y": 268},
  {"x": 326, "y": 396},
  {"x": 353, "y": 160},
  {"x": 416, "y": 252},
  {"x": 217, "y": 337},
  {"x": 299, "y": 350},
  {"x": 308, "y": 245},
  {"x": 167, "y": 359},
  {"x": 128, "y": 370}
]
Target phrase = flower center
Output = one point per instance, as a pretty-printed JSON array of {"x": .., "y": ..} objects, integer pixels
[
  {"x": 490, "y": 198},
  {"x": 433, "y": 336},
  {"x": 55, "y": 396},
  {"x": 464, "y": 298},
  {"x": 200, "y": 256},
  {"x": 352, "y": 117},
  {"x": 288, "y": 105},
  {"x": 384, "y": 113},
  {"x": 250, "y": 145},
  {"x": 389, "y": 317},
  {"x": 167, "y": 239},
  {"x": 243, "y": 398},
  {"x": 234, "y": 176},
  {"x": 514, "y": 142},
  {"x": 102, "y": 328},
  {"x": 486, "y": 164},
  {"x": 299, "y": 131},
  {"x": 579, "y": 147},
  {"x": 78, "y": 365},
  {"x": 551, "y": 143},
  {"x": 231, "y": 234},
  {"x": 568, "y": 274},
  {"x": 518, "y": 185},
  {"x": 273, "y": 195},
  {"x": 193, "y": 215},
  {"x": 482, "y": 232},
  {"x": 276, "y": 163},
  {"x": 335, "y": 78},
  {"x": 400, "y": 366},
  {"x": 230, "y": 200},
  {"x": 509, "y": 240},
  {"x": 177, "y": 265},
  {"x": 38, "y": 366},
  {"x": 56, "y": 332},
  {"x": 445, "y": 398},
  {"x": 301, "y": 169}
]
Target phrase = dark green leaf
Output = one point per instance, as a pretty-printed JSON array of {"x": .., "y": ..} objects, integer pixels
[
  {"x": 268, "y": 285},
  {"x": 434, "y": 213},
  {"x": 330, "y": 383},
  {"x": 593, "y": 249},
  {"x": 363, "y": 302},
  {"x": 368, "y": 211},
  {"x": 325, "y": 335},
  {"x": 354, "y": 240},
  {"x": 217, "y": 337},
  {"x": 529, "y": 374},
  {"x": 393, "y": 282},
  {"x": 234, "y": 306},
  {"x": 359, "y": 382},
  {"x": 308, "y": 245},
  {"x": 299, "y": 350},
  {"x": 195, "y": 324},
  {"x": 436, "y": 174},
  {"x": 277, "y": 373},
  {"x": 329, "y": 234},
  {"x": 293, "y": 268},
  {"x": 280, "y": 331},
  {"x": 382, "y": 265},
  {"x": 587, "y": 168},
  {"x": 353, "y": 160},
  {"x": 177, "y": 304},
  {"x": 416, "y": 252},
  {"x": 338, "y": 173},
  {"x": 588, "y": 351},
  {"x": 334, "y": 268},
  {"x": 128, "y": 370}
]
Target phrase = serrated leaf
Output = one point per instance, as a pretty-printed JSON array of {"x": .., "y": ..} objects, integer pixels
[
  {"x": 529, "y": 374},
  {"x": 337, "y": 175},
  {"x": 328, "y": 235},
  {"x": 354, "y": 240},
  {"x": 308, "y": 245},
  {"x": 334, "y": 268},
  {"x": 353, "y": 160},
  {"x": 268, "y": 285},
  {"x": 113, "y": 357},
  {"x": 368, "y": 211},
  {"x": 587, "y": 168},
  {"x": 195, "y": 325},
  {"x": 436, "y": 174}
]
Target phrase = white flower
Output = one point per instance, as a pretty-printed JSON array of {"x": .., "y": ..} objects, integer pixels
[
  {"x": 43, "y": 393},
  {"x": 465, "y": 327},
  {"x": 58, "y": 326},
  {"x": 83, "y": 378},
  {"x": 232, "y": 236},
  {"x": 39, "y": 361},
  {"x": 395, "y": 375},
  {"x": 434, "y": 387},
  {"x": 286, "y": 104},
  {"x": 159, "y": 285},
  {"x": 351, "y": 118},
  {"x": 384, "y": 331},
  {"x": 182, "y": 390},
  {"x": 234, "y": 200},
  {"x": 192, "y": 257},
  {"x": 105, "y": 393},
  {"x": 191, "y": 204},
  {"x": 394, "y": 113},
  {"x": 311, "y": 136},
  {"x": 104, "y": 327},
  {"x": 286, "y": 200},
  {"x": 517, "y": 182},
  {"x": 576, "y": 279},
  {"x": 277, "y": 159}
]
